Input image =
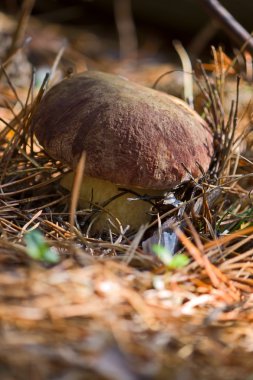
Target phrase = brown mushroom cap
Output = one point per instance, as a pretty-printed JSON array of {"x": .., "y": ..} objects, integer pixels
[{"x": 132, "y": 135}]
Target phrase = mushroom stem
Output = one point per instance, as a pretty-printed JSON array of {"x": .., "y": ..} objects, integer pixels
[{"x": 113, "y": 203}]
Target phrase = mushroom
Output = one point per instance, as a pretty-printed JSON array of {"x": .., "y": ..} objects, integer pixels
[{"x": 134, "y": 137}]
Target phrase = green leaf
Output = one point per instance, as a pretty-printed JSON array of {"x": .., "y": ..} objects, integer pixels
[
  {"x": 171, "y": 262},
  {"x": 179, "y": 261},
  {"x": 38, "y": 249},
  {"x": 162, "y": 253}
]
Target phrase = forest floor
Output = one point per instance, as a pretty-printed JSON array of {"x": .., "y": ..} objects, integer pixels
[{"x": 79, "y": 306}]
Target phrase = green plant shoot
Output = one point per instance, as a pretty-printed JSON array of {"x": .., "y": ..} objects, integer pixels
[
  {"x": 170, "y": 261},
  {"x": 38, "y": 249}
]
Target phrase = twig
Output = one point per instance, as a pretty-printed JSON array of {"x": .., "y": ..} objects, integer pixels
[
  {"x": 19, "y": 34},
  {"x": 126, "y": 29},
  {"x": 76, "y": 189},
  {"x": 187, "y": 69},
  {"x": 200, "y": 41},
  {"x": 231, "y": 26}
]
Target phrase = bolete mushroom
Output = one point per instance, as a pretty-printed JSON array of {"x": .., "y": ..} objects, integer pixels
[{"x": 134, "y": 137}]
